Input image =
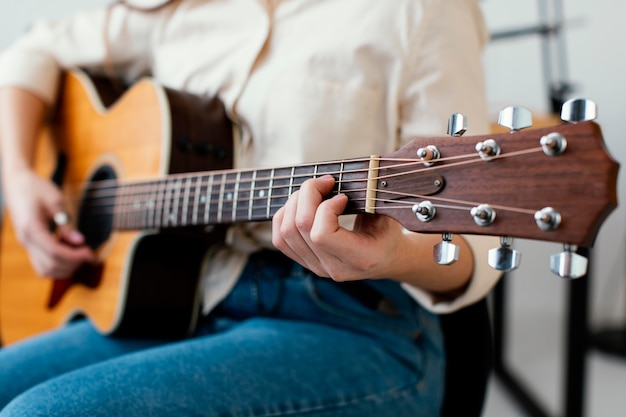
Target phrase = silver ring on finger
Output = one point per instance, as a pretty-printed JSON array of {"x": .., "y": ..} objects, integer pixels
[{"x": 61, "y": 218}]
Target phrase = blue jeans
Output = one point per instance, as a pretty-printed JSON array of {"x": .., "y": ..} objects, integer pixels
[{"x": 283, "y": 343}]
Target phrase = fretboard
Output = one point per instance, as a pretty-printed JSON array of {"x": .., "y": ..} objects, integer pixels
[{"x": 224, "y": 197}]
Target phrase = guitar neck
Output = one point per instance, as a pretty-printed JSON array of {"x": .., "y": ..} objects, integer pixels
[{"x": 225, "y": 197}]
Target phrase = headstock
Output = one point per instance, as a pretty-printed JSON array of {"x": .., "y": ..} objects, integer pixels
[{"x": 555, "y": 184}]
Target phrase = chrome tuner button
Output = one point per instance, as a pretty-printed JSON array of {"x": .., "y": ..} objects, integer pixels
[
  {"x": 569, "y": 264},
  {"x": 457, "y": 124},
  {"x": 487, "y": 149},
  {"x": 548, "y": 219},
  {"x": 515, "y": 118},
  {"x": 428, "y": 155},
  {"x": 579, "y": 110},
  {"x": 446, "y": 252},
  {"x": 483, "y": 215},
  {"x": 504, "y": 258},
  {"x": 424, "y": 211},
  {"x": 553, "y": 144}
]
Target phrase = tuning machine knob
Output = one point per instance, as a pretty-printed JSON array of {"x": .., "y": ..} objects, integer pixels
[
  {"x": 579, "y": 110},
  {"x": 457, "y": 124},
  {"x": 504, "y": 258},
  {"x": 569, "y": 264},
  {"x": 446, "y": 252},
  {"x": 515, "y": 118}
]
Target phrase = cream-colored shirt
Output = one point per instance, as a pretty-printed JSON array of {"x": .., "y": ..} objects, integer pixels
[{"x": 307, "y": 80}]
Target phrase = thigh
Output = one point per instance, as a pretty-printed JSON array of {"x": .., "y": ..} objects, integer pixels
[
  {"x": 46, "y": 356},
  {"x": 259, "y": 367}
]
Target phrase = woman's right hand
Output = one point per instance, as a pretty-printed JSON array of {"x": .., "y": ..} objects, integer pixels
[{"x": 33, "y": 201}]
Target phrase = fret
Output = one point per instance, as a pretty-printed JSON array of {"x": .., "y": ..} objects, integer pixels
[
  {"x": 185, "y": 212},
  {"x": 230, "y": 203},
  {"x": 220, "y": 204},
  {"x": 340, "y": 180},
  {"x": 235, "y": 197},
  {"x": 126, "y": 212},
  {"x": 301, "y": 174},
  {"x": 323, "y": 169},
  {"x": 328, "y": 168},
  {"x": 119, "y": 208},
  {"x": 280, "y": 188},
  {"x": 196, "y": 200},
  {"x": 167, "y": 204},
  {"x": 151, "y": 203},
  {"x": 117, "y": 203},
  {"x": 159, "y": 203},
  {"x": 260, "y": 200},
  {"x": 269, "y": 194},
  {"x": 138, "y": 207},
  {"x": 293, "y": 173},
  {"x": 251, "y": 196},
  {"x": 133, "y": 206},
  {"x": 209, "y": 192},
  {"x": 142, "y": 209},
  {"x": 354, "y": 185},
  {"x": 144, "y": 200},
  {"x": 175, "y": 203},
  {"x": 228, "y": 196},
  {"x": 244, "y": 195}
]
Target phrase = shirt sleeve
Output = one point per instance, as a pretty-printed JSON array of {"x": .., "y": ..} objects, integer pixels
[
  {"x": 444, "y": 75},
  {"x": 116, "y": 38}
]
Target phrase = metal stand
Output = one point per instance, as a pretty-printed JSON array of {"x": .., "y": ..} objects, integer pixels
[
  {"x": 576, "y": 347},
  {"x": 611, "y": 340}
]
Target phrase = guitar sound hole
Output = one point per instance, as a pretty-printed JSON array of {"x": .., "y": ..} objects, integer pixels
[{"x": 95, "y": 219}]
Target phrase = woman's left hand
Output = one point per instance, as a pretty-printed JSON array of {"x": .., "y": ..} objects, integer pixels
[{"x": 307, "y": 230}]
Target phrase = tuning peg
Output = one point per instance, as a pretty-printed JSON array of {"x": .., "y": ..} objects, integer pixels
[
  {"x": 504, "y": 258},
  {"x": 424, "y": 211},
  {"x": 578, "y": 110},
  {"x": 568, "y": 264},
  {"x": 429, "y": 155},
  {"x": 457, "y": 124},
  {"x": 515, "y": 118},
  {"x": 446, "y": 252}
]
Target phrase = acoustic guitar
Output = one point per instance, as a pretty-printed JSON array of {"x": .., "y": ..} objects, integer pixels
[{"x": 148, "y": 176}]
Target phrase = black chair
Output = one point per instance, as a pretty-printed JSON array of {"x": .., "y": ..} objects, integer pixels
[{"x": 469, "y": 360}]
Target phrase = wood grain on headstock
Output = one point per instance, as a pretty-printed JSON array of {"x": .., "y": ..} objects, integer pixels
[{"x": 580, "y": 184}]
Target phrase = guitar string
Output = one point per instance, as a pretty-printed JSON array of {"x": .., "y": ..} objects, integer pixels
[
  {"x": 112, "y": 185},
  {"x": 129, "y": 203},
  {"x": 157, "y": 208}
]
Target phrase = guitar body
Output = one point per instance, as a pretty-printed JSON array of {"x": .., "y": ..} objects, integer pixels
[{"x": 144, "y": 283}]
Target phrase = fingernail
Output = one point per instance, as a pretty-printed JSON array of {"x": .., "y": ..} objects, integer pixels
[{"x": 75, "y": 236}]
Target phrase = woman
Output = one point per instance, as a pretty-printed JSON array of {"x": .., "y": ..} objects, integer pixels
[{"x": 280, "y": 334}]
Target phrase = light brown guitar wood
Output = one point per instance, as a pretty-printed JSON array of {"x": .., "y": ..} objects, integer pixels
[{"x": 130, "y": 134}]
